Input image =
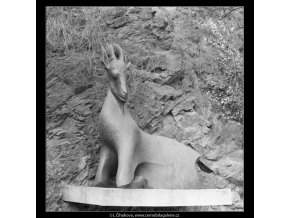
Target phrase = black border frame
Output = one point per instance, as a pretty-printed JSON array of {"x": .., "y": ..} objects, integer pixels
[{"x": 248, "y": 100}]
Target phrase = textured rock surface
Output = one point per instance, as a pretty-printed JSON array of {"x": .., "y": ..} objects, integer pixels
[{"x": 163, "y": 100}]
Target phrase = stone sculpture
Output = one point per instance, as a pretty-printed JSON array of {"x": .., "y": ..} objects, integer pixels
[{"x": 131, "y": 158}]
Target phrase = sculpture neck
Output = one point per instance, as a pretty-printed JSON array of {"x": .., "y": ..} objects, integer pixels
[{"x": 113, "y": 104}]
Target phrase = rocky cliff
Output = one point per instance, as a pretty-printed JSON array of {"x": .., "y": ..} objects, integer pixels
[{"x": 166, "y": 98}]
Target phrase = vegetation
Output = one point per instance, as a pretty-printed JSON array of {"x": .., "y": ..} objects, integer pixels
[
  {"x": 218, "y": 53},
  {"x": 216, "y": 47}
]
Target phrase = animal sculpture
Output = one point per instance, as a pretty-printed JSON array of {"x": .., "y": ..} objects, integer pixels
[{"x": 130, "y": 157}]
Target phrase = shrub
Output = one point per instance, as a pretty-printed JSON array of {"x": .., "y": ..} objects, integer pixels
[{"x": 217, "y": 50}]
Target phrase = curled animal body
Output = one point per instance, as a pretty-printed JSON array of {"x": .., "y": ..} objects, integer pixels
[{"x": 130, "y": 157}]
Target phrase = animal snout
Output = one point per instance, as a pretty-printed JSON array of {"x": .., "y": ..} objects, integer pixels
[{"x": 124, "y": 94}]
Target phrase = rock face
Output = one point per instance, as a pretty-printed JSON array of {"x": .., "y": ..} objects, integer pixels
[{"x": 163, "y": 100}]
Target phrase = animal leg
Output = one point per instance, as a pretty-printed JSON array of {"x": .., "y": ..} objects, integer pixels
[
  {"x": 107, "y": 165},
  {"x": 139, "y": 182},
  {"x": 126, "y": 168}
]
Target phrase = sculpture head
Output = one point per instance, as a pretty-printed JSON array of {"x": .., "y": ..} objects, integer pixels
[{"x": 116, "y": 66}]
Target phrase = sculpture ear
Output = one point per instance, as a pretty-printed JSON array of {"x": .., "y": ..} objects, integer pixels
[{"x": 128, "y": 65}]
